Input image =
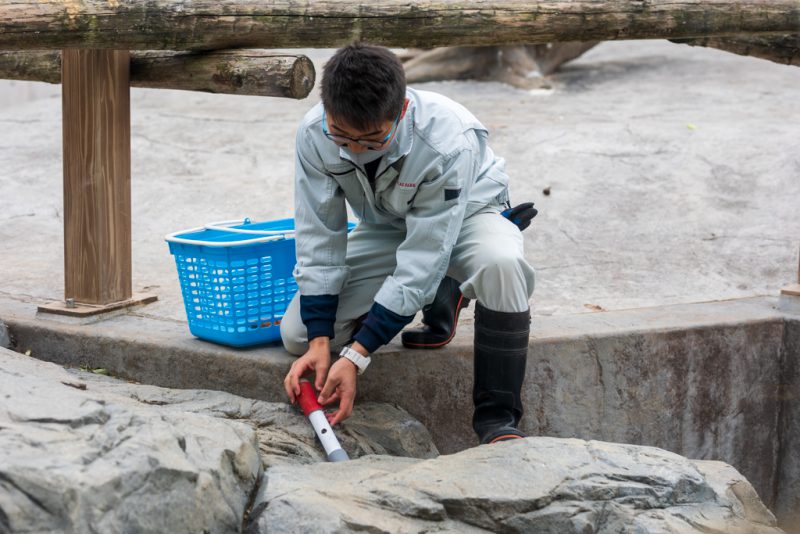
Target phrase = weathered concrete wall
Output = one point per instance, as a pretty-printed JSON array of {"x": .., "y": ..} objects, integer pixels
[
  {"x": 706, "y": 392},
  {"x": 786, "y": 499},
  {"x": 700, "y": 380}
]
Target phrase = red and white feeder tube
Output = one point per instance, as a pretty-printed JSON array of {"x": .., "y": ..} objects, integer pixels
[{"x": 313, "y": 410}]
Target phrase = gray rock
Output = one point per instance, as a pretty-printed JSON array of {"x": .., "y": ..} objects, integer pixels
[
  {"x": 5, "y": 336},
  {"x": 76, "y": 460},
  {"x": 80, "y": 451},
  {"x": 284, "y": 434},
  {"x": 84, "y": 452},
  {"x": 534, "y": 485}
]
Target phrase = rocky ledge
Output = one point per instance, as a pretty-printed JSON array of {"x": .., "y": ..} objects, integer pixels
[{"x": 82, "y": 452}]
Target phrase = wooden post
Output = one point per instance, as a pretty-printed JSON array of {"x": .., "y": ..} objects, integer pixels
[
  {"x": 97, "y": 181},
  {"x": 97, "y": 175}
]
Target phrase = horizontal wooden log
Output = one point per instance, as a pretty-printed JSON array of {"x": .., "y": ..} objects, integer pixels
[
  {"x": 223, "y": 24},
  {"x": 784, "y": 49},
  {"x": 238, "y": 72}
]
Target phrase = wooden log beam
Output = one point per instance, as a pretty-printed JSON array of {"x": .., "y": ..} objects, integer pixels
[
  {"x": 238, "y": 72},
  {"x": 222, "y": 24},
  {"x": 784, "y": 49}
]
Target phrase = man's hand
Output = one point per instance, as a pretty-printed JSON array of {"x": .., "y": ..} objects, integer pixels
[
  {"x": 340, "y": 386},
  {"x": 317, "y": 359}
]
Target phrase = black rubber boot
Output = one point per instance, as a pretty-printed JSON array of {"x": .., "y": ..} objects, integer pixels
[
  {"x": 439, "y": 318},
  {"x": 501, "y": 351}
]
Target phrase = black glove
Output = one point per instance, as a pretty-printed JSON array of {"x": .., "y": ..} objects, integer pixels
[{"x": 521, "y": 214}]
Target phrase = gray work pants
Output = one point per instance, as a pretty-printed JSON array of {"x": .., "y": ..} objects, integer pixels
[{"x": 487, "y": 259}]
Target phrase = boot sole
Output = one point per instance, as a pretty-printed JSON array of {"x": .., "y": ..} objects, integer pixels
[{"x": 505, "y": 437}]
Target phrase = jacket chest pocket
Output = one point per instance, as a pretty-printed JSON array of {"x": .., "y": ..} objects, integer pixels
[
  {"x": 393, "y": 194},
  {"x": 397, "y": 199}
]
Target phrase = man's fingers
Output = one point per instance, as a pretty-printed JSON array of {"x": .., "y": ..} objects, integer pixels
[
  {"x": 339, "y": 415},
  {"x": 327, "y": 390},
  {"x": 287, "y": 385},
  {"x": 345, "y": 399},
  {"x": 322, "y": 375},
  {"x": 345, "y": 407},
  {"x": 292, "y": 381},
  {"x": 333, "y": 398},
  {"x": 333, "y": 418},
  {"x": 346, "y": 404}
]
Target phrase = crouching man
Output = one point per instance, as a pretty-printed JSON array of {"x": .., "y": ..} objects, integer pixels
[{"x": 416, "y": 169}]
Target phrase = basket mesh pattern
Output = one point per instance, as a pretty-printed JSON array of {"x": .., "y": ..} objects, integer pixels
[
  {"x": 233, "y": 296},
  {"x": 236, "y": 291}
]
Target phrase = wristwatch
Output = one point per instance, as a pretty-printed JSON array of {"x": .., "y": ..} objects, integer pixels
[{"x": 356, "y": 357}]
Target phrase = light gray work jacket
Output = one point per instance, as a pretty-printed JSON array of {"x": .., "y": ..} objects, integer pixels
[{"x": 438, "y": 171}]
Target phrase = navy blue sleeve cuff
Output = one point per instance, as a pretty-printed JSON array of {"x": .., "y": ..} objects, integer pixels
[
  {"x": 318, "y": 313},
  {"x": 380, "y": 326}
]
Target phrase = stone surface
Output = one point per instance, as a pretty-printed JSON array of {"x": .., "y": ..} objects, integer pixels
[
  {"x": 80, "y": 451},
  {"x": 5, "y": 336},
  {"x": 74, "y": 460},
  {"x": 787, "y": 491},
  {"x": 699, "y": 380},
  {"x": 542, "y": 485},
  {"x": 705, "y": 391},
  {"x": 283, "y": 433},
  {"x": 85, "y": 452}
]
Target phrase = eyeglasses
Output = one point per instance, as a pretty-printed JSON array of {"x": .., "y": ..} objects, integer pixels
[{"x": 343, "y": 140}]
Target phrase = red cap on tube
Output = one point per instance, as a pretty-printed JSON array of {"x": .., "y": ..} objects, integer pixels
[{"x": 308, "y": 398}]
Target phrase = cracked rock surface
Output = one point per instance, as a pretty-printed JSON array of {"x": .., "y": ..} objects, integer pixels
[
  {"x": 80, "y": 452},
  {"x": 542, "y": 485},
  {"x": 75, "y": 460}
]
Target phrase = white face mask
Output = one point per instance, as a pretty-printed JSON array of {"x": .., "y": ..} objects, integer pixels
[{"x": 368, "y": 156}]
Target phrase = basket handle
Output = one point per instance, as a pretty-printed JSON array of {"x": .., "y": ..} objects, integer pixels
[
  {"x": 226, "y": 226},
  {"x": 267, "y": 235}
]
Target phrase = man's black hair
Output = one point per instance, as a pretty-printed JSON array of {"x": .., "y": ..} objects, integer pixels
[{"x": 363, "y": 85}]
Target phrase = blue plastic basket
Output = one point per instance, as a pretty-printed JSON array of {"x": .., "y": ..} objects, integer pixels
[{"x": 236, "y": 279}]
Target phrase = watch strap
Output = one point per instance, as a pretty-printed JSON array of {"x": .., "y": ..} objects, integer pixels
[{"x": 358, "y": 359}]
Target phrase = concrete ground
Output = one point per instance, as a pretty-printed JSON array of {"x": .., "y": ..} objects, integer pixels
[{"x": 674, "y": 177}]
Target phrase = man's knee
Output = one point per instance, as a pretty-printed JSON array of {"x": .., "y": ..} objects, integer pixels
[
  {"x": 508, "y": 270},
  {"x": 504, "y": 282},
  {"x": 293, "y": 335}
]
